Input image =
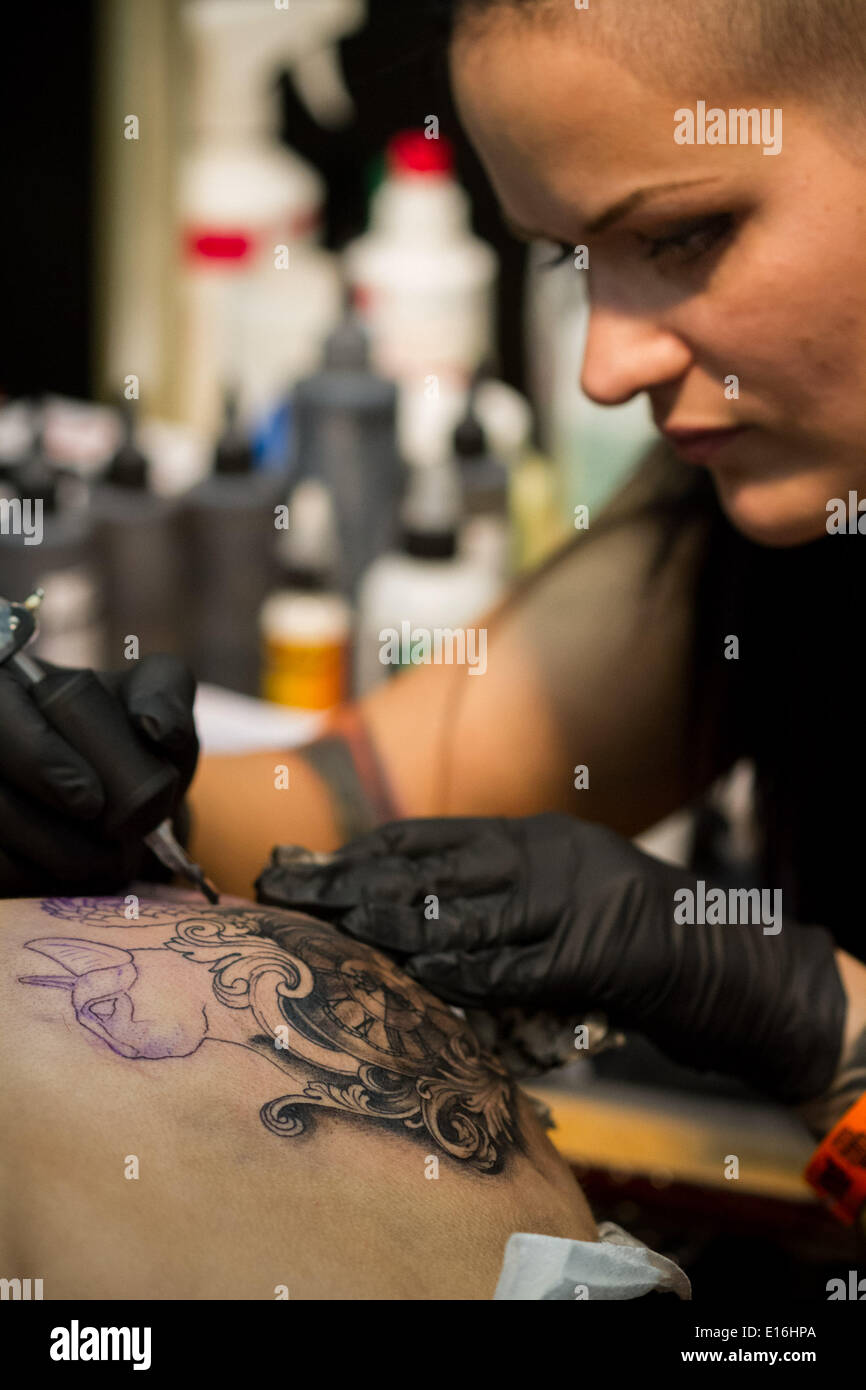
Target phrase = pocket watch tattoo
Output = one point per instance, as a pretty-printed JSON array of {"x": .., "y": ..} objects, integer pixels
[{"x": 355, "y": 1034}]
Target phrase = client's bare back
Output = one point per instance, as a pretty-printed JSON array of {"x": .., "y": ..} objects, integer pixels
[{"x": 239, "y": 1102}]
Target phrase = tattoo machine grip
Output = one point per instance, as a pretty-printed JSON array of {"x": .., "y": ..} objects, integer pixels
[{"x": 140, "y": 788}]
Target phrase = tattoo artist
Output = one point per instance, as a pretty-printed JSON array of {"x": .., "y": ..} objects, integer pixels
[{"x": 712, "y": 261}]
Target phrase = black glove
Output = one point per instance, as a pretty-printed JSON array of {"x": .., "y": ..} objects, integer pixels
[
  {"x": 552, "y": 912},
  {"x": 50, "y": 798}
]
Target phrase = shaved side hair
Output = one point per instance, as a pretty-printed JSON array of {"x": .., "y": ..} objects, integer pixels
[{"x": 813, "y": 49}]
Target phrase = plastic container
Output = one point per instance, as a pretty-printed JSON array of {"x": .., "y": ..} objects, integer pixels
[
  {"x": 138, "y": 543},
  {"x": 244, "y": 196},
  {"x": 230, "y": 537},
  {"x": 306, "y": 625},
  {"x": 412, "y": 598},
  {"x": 421, "y": 280},
  {"x": 346, "y": 436},
  {"x": 485, "y": 532}
]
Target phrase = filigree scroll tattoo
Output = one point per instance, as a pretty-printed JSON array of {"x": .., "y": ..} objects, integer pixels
[{"x": 353, "y": 1033}]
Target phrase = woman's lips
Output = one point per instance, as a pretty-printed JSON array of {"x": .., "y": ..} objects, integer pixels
[{"x": 702, "y": 446}]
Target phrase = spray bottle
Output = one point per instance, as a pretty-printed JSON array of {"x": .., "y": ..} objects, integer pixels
[
  {"x": 250, "y": 207},
  {"x": 422, "y": 281}
]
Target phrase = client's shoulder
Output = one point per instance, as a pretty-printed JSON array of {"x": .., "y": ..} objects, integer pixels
[
  {"x": 156, "y": 979},
  {"x": 185, "y": 1038}
]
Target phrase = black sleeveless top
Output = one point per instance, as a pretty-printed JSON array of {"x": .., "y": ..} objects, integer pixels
[{"x": 794, "y": 702}]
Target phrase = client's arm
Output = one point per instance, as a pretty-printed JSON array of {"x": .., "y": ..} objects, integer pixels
[{"x": 219, "y": 1102}]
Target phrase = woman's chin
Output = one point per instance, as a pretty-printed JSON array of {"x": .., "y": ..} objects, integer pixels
[{"x": 775, "y": 512}]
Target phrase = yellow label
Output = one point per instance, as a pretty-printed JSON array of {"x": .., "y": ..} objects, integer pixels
[{"x": 306, "y": 675}]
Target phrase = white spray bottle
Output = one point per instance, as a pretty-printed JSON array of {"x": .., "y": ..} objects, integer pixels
[{"x": 258, "y": 296}]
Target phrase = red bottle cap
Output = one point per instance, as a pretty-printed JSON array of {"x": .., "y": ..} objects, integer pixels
[{"x": 410, "y": 152}]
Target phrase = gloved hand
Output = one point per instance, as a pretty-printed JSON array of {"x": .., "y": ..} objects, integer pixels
[
  {"x": 50, "y": 798},
  {"x": 553, "y": 912}
]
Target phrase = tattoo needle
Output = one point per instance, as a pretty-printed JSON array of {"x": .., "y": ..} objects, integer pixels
[{"x": 173, "y": 855}]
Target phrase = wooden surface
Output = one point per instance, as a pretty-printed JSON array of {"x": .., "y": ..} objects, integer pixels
[{"x": 669, "y": 1137}]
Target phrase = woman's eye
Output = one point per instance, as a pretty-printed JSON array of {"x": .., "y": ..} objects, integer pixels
[
  {"x": 688, "y": 243},
  {"x": 691, "y": 241}
]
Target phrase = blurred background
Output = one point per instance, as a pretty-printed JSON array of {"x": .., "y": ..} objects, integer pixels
[
  {"x": 279, "y": 379},
  {"x": 257, "y": 263}
]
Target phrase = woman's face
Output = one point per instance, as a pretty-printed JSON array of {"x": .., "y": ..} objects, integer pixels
[{"x": 753, "y": 266}]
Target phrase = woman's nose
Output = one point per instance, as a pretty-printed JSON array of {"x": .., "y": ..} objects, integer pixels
[{"x": 626, "y": 353}]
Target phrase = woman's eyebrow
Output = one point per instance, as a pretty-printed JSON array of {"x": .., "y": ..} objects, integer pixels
[{"x": 613, "y": 214}]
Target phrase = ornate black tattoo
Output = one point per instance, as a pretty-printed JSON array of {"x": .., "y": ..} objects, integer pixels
[{"x": 354, "y": 1033}]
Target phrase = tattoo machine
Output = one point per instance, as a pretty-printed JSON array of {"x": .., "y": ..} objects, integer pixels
[{"x": 140, "y": 788}]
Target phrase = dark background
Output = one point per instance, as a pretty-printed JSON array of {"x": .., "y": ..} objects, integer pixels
[
  {"x": 395, "y": 69},
  {"x": 46, "y": 81}
]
